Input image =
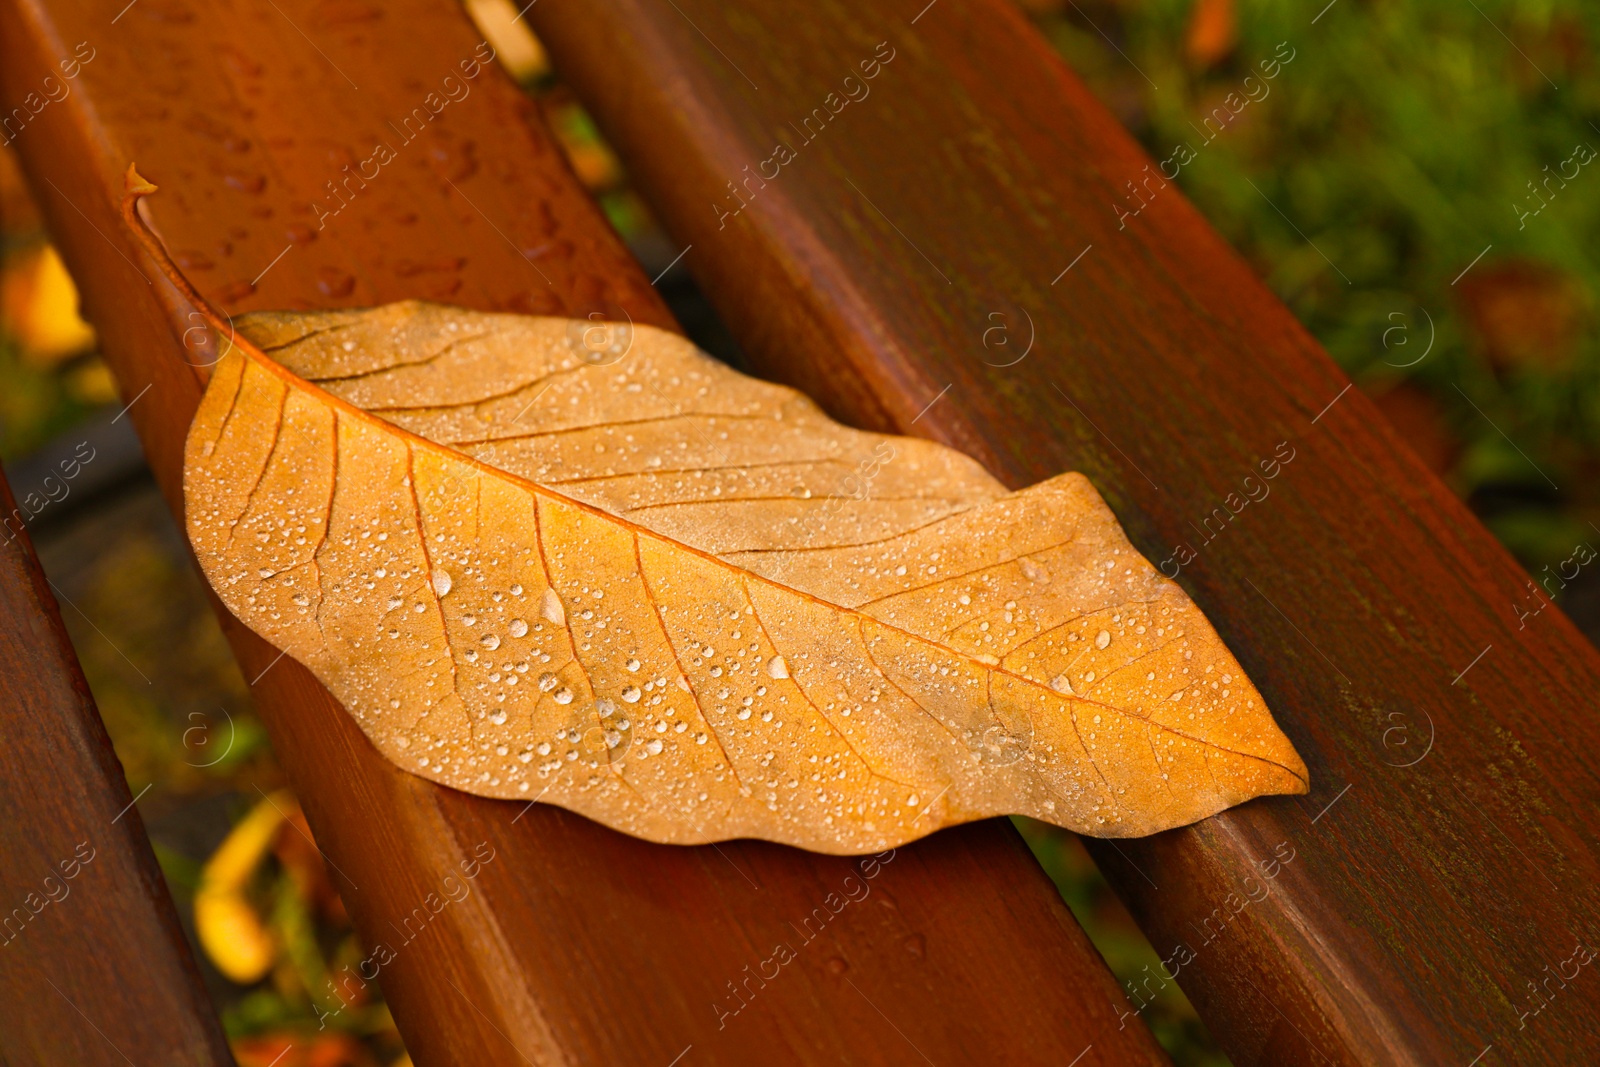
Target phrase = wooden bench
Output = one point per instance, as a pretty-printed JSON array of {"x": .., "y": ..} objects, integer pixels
[
  {"x": 1446, "y": 856},
  {"x": 85, "y": 906}
]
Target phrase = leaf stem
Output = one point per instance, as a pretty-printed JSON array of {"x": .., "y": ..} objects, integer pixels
[{"x": 137, "y": 187}]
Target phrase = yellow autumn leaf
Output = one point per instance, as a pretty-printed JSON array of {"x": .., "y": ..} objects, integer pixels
[
  {"x": 586, "y": 564},
  {"x": 230, "y": 930},
  {"x": 39, "y": 306}
]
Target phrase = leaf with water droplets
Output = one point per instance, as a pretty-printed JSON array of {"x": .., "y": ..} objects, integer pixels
[{"x": 622, "y": 578}]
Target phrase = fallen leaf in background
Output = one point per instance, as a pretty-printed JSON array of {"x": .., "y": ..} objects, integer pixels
[
  {"x": 1213, "y": 31},
  {"x": 516, "y": 49},
  {"x": 301, "y": 1050},
  {"x": 230, "y": 930},
  {"x": 544, "y": 559},
  {"x": 39, "y": 305},
  {"x": 1526, "y": 314}
]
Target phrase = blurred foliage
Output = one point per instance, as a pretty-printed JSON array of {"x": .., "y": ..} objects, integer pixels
[
  {"x": 35, "y": 403},
  {"x": 1403, "y": 140},
  {"x": 1126, "y": 950},
  {"x": 595, "y": 164},
  {"x": 194, "y": 733},
  {"x": 267, "y": 886},
  {"x": 52, "y": 377}
]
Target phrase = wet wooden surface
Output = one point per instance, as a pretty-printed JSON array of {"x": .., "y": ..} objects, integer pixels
[
  {"x": 931, "y": 215},
  {"x": 85, "y": 908},
  {"x": 575, "y": 944}
]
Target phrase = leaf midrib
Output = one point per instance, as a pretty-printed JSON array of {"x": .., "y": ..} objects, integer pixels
[{"x": 294, "y": 382}]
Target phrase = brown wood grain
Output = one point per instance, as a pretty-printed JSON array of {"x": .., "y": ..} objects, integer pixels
[
  {"x": 1423, "y": 905},
  {"x": 83, "y": 906},
  {"x": 575, "y": 945}
]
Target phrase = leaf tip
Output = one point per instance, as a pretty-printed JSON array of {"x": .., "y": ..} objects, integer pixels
[
  {"x": 1293, "y": 774},
  {"x": 135, "y": 188}
]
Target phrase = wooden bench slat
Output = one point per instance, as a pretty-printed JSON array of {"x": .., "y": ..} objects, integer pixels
[
  {"x": 85, "y": 907},
  {"x": 575, "y": 944},
  {"x": 977, "y": 186}
]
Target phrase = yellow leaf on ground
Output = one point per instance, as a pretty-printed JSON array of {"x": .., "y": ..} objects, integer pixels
[
  {"x": 584, "y": 564},
  {"x": 39, "y": 306}
]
